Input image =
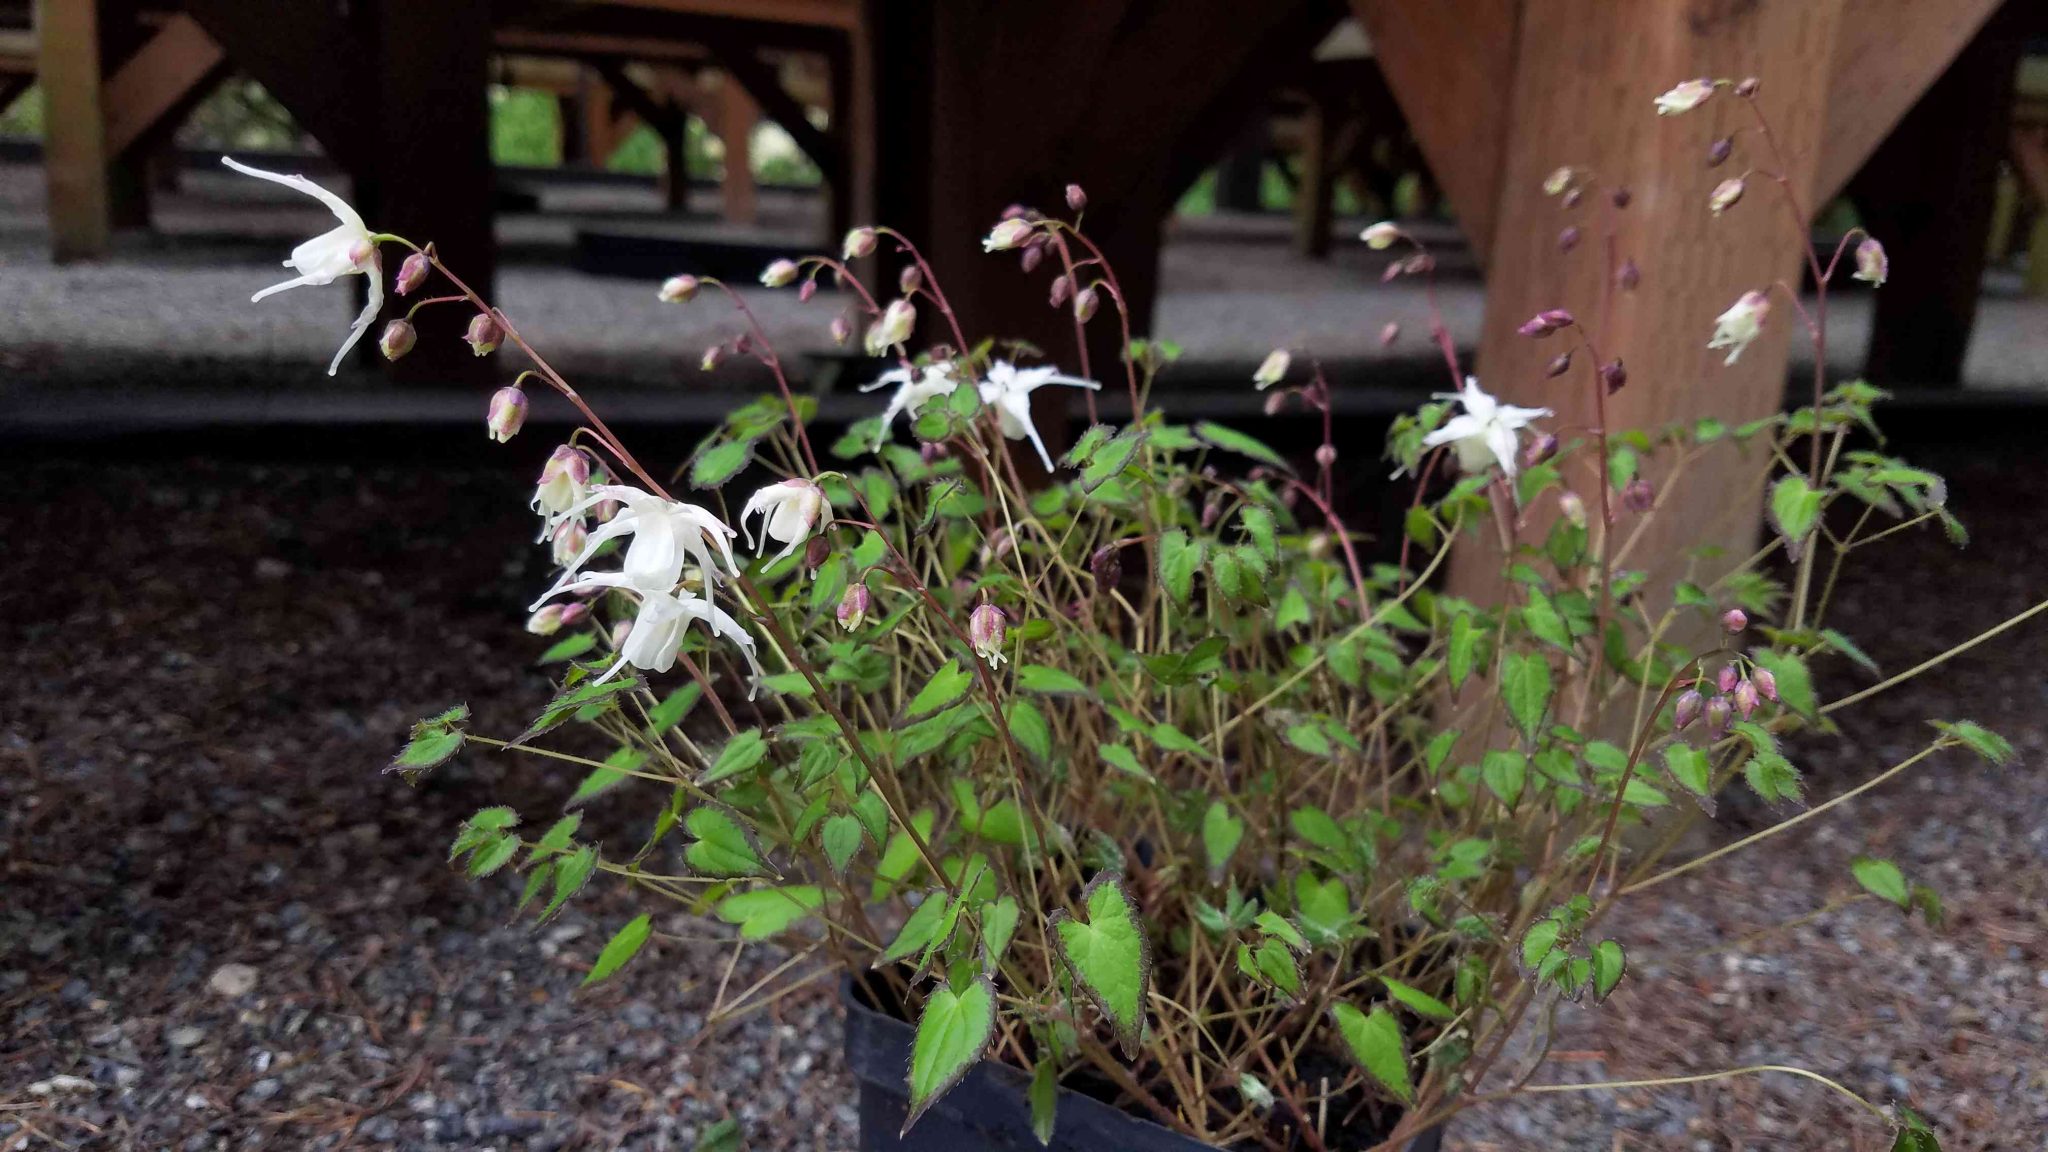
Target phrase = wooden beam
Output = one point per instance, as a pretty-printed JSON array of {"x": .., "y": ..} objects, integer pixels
[
  {"x": 309, "y": 58},
  {"x": 1449, "y": 63},
  {"x": 1313, "y": 192},
  {"x": 765, "y": 86},
  {"x": 1888, "y": 53},
  {"x": 820, "y": 13},
  {"x": 156, "y": 80},
  {"x": 585, "y": 45},
  {"x": 75, "y": 152},
  {"x": 737, "y": 116},
  {"x": 1585, "y": 74}
]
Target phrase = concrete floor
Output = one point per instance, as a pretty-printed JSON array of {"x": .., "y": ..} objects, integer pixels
[{"x": 170, "y": 310}]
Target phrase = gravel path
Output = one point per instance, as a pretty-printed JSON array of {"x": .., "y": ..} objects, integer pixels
[{"x": 225, "y": 929}]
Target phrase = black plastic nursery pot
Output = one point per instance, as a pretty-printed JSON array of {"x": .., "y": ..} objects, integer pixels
[{"x": 988, "y": 1111}]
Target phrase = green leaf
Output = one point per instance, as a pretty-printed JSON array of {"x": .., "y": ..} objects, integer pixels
[
  {"x": 762, "y": 913},
  {"x": 947, "y": 684},
  {"x": 1525, "y": 688},
  {"x": 1690, "y": 767},
  {"x": 1609, "y": 962},
  {"x": 431, "y": 746},
  {"x": 1795, "y": 508},
  {"x": 1029, "y": 728},
  {"x": 918, "y": 929},
  {"x": 1231, "y": 440},
  {"x": 1505, "y": 774},
  {"x": 1847, "y": 647},
  {"x": 1044, "y": 1096},
  {"x": 1772, "y": 777},
  {"x": 674, "y": 707},
  {"x": 1272, "y": 964},
  {"x": 1309, "y": 738},
  {"x": 1914, "y": 1134},
  {"x": 1375, "y": 1041},
  {"x": 1977, "y": 738},
  {"x": 572, "y": 872},
  {"x": 998, "y": 924},
  {"x": 1293, "y": 609},
  {"x": 1422, "y": 1003},
  {"x": 1258, "y": 524},
  {"x": 568, "y": 648},
  {"x": 1464, "y": 649},
  {"x": 1881, "y": 878},
  {"x": 952, "y": 1033},
  {"x": 608, "y": 776},
  {"x": 559, "y": 836},
  {"x": 722, "y": 849},
  {"x": 1050, "y": 681},
  {"x": 740, "y": 754},
  {"x": 1108, "y": 957},
  {"x": 1537, "y": 944},
  {"x": 1174, "y": 740},
  {"x": 841, "y": 837},
  {"x": 724, "y": 1136},
  {"x": 1221, "y": 833},
  {"x": 1179, "y": 559},
  {"x": 1544, "y": 622},
  {"x": 1110, "y": 460},
  {"x": 1795, "y": 684},
  {"x": 1123, "y": 760},
  {"x": 1323, "y": 907},
  {"x": 623, "y": 946},
  {"x": 496, "y": 851},
  {"x": 720, "y": 462}
]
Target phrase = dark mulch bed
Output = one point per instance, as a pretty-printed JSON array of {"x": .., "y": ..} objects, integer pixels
[{"x": 214, "y": 661}]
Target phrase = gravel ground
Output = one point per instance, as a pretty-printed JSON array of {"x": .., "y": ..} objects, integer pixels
[{"x": 234, "y": 932}]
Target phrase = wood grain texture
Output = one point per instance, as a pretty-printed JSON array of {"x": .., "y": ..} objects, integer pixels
[
  {"x": 156, "y": 80},
  {"x": 75, "y": 152},
  {"x": 1886, "y": 55}
]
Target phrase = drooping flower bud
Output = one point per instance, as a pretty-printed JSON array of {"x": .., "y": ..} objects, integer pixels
[
  {"x": 1719, "y": 151},
  {"x": 1629, "y": 276},
  {"x": 1621, "y": 197},
  {"x": 398, "y": 338},
  {"x": 1326, "y": 455},
  {"x": 1734, "y": 620},
  {"x": 1569, "y": 238},
  {"x": 1559, "y": 364},
  {"x": 893, "y": 328},
  {"x": 1724, "y": 680},
  {"x": 1685, "y": 97},
  {"x": 1380, "y": 236},
  {"x": 1085, "y": 303},
  {"x": 1076, "y": 198},
  {"x": 1738, "y": 327},
  {"x": 1725, "y": 195},
  {"x": 1542, "y": 447},
  {"x": 816, "y": 552},
  {"x": 779, "y": 273},
  {"x": 860, "y": 242},
  {"x": 987, "y": 628},
  {"x": 1545, "y": 322},
  {"x": 1766, "y": 684},
  {"x": 1389, "y": 333},
  {"x": 1107, "y": 566},
  {"x": 1272, "y": 369},
  {"x": 789, "y": 511},
  {"x": 679, "y": 289},
  {"x": 1275, "y": 403},
  {"x": 1614, "y": 375},
  {"x": 546, "y": 620},
  {"x": 1572, "y": 507},
  {"x": 1745, "y": 699},
  {"x": 1574, "y": 198},
  {"x": 485, "y": 334},
  {"x": 568, "y": 541},
  {"x": 1062, "y": 288},
  {"x": 854, "y": 606},
  {"x": 806, "y": 290},
  {"x": 1556, "y": 183},
  {"x": 1718, "y": 714},
  {"x": 1008, "y": 233},
  {"x": 573, "y": 612},
  {"x": 842, "y": 329},
  {"x": 1034, "y": 255},
  {"x": 1871, "y": 262},
  {"x": 1748, "y": 87},
  {"x": 507, "y": 414},
  {"x": 562, "y": 480},
  {"x": 1637, "y": 496},
  {"x": 1690, "y": 705},
  {"x": 412, "y": 273},
  {"x": 712, "y": 357},
  {"x": 910, "y": 279},
  {"x": 620, "y": 631}
]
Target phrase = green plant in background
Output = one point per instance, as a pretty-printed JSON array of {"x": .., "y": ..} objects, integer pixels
[{"x": 1138, "y": 771}]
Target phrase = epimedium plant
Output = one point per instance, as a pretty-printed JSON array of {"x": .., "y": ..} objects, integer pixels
[{"x": 1130, "y": 770}]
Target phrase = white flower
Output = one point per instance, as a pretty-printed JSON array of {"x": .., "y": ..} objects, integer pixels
[
  {"x": 1009, "y": 233},
  {"x": 667, "y": 534},
  {"x": 1380, "y": 236},
  {"x": 893, "y": 327},
  {"x": 1008, "y": 389},
  {"x": 1740, "y": 325},
  {"x": 561, "y": 484},
  {"x": 1486, "y": 432},
  {"x": 1685, "y": 97},
  {"x": 657, "y": 631},
  {"x": 1871, "y": 262},
  {"x": 914, "y": 388},
  {"x": 1273, "y": 369},
  {"x": 344, "y": 250},
  {"x": 987, "y": 627},
  {"x": 789, "y": 511}
]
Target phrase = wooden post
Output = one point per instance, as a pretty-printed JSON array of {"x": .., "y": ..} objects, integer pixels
[
  {"x": 737, "y": 116},
  {"x": 1581, "y": 94},
  {"x": 75, "y": 151},
  {"x": 1928, "y": 194},
  {"x": 1313, "y": 192}
]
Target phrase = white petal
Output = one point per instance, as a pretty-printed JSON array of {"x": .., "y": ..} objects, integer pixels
[
  {"x": 1500, "y": 440},
  {"x": 1456, "y": 428},
  {"x": 892, "y": 376},
  {"x": 365, "y": 318},
  {"x": 294, "y": 282},
  {"x": 326, "y": 257},
  {"x": 335, "y": 204}
]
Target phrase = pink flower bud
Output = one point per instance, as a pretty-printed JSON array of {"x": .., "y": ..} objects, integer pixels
[
  {"x": 860, "y": 242},
  {"x": 854, "y": 606},
  {"x": 1685, "y": 97},
  {"x": 568, "y": 541},
  {"x": 1718, "y": 714},
  {"x": 1734, "y": 620},
  {"x": 412, "y": 273},
  {"x": 1638, "y": 496},
  {"x": 1747, "y": 88},
  {"x": 620, "y": 631},
  {"x": 1629, "y": 276},
  {"x": 1085, "y": 303},
  {"x": 1076, "y": 198},
  {"x": 1062, "y": 288},
  {"x": 1614, "y": 375},
  {"x": 1276, "y": 403},
  {"x": 1010, "y": 232},
  {"x": 1390, "y": 333},
  {"x": 574, "y": 612},
  {"x": 910, "y": 279},
  {"x": 1107, "y": 566},
  {"x": 1871, "y": 263},
  {"x": 1545, "y": 322},
  {"x": 1719, "y": 151},
  {"x": 892, "y": 328},
  {"x": 546, "y": 620},
  {"x": 485, "y": 333},
  {"x": 712, "y": 356},
  {"x": 1326, "y": 455},
  {"x": 1724, "y": 681},
  {"x": 987, "y": 628},
  {"x": 806, "y": 290},
  {"x": 1725, "y": 195},
  {"x": 1272, "y": 369},
  {"x": 1542, "y": 447},
  {"x": 1559, "y": 364},
  {"x": 1621, "y": 197},
  {"x": 1745, "y": 699},
  {"x": 1572, "y": 507},
  {"x": 1569, "y": 238},
  {"x": 816, "y": 551},
  {"x": 679, "y": 289},
  {"x": 507, "y": 413},
  {"x": 1556, "y": 183},
  {"x": 779, "y": 273},
  {"x": 1034, "y": 255},
  {"x": 398, "y": 339},
  {"x": 1766, "y": 684},
  {"x": 1573, "y": 198},
  {"x": 1690, "y": 705}
]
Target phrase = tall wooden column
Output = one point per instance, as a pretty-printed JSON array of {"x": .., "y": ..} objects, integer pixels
[{"x": 75, "y": 151}]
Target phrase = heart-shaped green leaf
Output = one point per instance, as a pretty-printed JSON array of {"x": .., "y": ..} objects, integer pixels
[
  {"x": 952, "y": 1033},
  {"x": 1108, "y": 957},
  {"x": 1374, "y": 1040}
]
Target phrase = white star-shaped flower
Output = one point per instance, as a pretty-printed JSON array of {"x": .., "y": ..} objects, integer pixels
[
  {"x": 667, "y": 535},
  {"x": 1008, "y": 389},
  {"x": 914, "y": 388},
  {"x": 1486, "y": 432},
  {"x": 1741, "y": 324},
  {"x": 344, "y": 250}
]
